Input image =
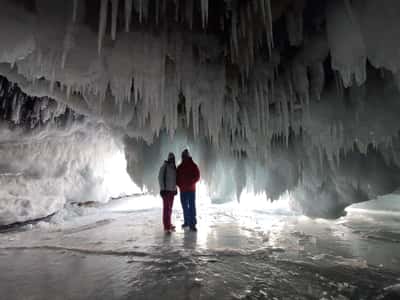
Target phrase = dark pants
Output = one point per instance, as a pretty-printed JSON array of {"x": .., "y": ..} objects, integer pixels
[
  {"x": 168, "y": 201},
  {"x": 188, "y": 201}
]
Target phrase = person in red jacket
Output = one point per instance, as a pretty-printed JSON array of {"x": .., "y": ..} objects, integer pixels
[{"x": 187, "y": 175}]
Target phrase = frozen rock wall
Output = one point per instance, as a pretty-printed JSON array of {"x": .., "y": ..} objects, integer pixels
[{"x": 50, "y": 155}]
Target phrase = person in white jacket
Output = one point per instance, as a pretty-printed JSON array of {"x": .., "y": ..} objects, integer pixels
[{"x": 167, "y": 181}]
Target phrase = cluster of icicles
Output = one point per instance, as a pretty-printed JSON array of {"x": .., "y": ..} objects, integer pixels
[
  {"x": 20, "y": 109},
  {"x": 241, "y": 21},
  {"x": 142, "y": 72},
  {"x": 233, "y": 94}
]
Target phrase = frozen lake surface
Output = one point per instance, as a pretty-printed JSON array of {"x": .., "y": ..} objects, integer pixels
[{"x": 119, "y": 251}]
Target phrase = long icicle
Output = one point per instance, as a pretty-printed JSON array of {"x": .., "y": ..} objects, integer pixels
[
  {"x": 115, "y": 4},
  {"x": 69, "y": 34},
  {"x": 157, "y": 12},
  {"x": 270, "y": 32},
  {"x": 102, "y": 23},
  {"x": 128, "y": 14},
  {"x": 140, "y": 11},
  {"x": 75, "y": 11},
  {"x": 264, "y": 13},
  {"x": 204, "y": 12}
]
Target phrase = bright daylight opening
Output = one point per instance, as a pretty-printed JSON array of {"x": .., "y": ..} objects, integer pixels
[{"x": 116, "y": 177}]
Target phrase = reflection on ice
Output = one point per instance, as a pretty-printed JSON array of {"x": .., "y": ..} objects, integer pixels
[
  {"x": 241, "y": 251},
  {"x": 134, "y": 204}
]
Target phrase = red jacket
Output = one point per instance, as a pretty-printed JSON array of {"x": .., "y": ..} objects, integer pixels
[{"x": 187, "y": 174}]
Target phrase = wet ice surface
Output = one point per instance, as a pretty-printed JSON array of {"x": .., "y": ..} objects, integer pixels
[{"x": 238, "y": 253}]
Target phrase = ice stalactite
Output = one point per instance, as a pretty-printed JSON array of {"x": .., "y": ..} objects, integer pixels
[
  {"x": 234, "y": 37},
  {"x": 204, "y": 12},
  {"x": 189, "y": 11},
  {"x": 68, "y": 44},
  {"x": 246, "y": 37},
  {"x": 122, "y": 70},
  {"x": 114, "y": 19},
  {"x": 346, "y": 42},
  {"x": 128, "y": 14},
  {"x": 265, "y": 7},
  {"x": 75, "y": 11},
  {"x": 270, "y": 32},
  {"x": 102, "y": 24},
  {"x": 285, "y": 116},
  {"x": 257, "y": 107},
  {"x": 69, "y": 39},
  {"x": 267, "y": 112},
  {"x": 301, "y": 85},
  {"x": 317, "y": 79},
  {"x": 141, "y": 7},
  {"x": 294, "y": 23}
]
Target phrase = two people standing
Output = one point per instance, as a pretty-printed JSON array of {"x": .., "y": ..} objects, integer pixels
[{"x": 185, "y": 176}]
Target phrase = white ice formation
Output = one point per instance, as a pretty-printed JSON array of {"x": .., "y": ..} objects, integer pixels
[
  {"x": 51, "y": 155},
  {"x": 278, "y": 92}
]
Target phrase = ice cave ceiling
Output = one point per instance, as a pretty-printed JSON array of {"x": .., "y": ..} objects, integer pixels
[{"x": 277, "y": 95}]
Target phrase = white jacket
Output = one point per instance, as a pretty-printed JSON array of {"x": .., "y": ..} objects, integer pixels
[{"x": 167, "y": 177}]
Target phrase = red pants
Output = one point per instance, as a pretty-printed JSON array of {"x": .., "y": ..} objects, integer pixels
[{"x": 168, "y": 201}]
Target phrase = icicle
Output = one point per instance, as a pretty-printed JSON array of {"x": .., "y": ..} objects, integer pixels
[
  {"x": 204, "y": 12},
  {"x": 294, "y": 23},
  {"x": 114, "y": 19},
  {"x": 68, "y": 44},
  {"x": 286, "y": 121},
  {"x": 128, "y": 14},
  {"x": 350, "y": 11},
  {"x": 234, "y": 38},
  {"x": 317, "y": 79},
  {"x": 258, "y": 106},
  {"x": 177, "y": 11},
  {"x": 75, "y": 11},
  {"x": 52, "y": 81},
  {"x": 268, "y": 92},
  {"x": 102, "y": 23},
  {"x": 291, "y": 95},
  {"x": 250, "y": 35},
  {"x": 14, "y": 106},
  {"x": 270, "y": 27},
  {"x": 263, "y": 123},
  {"x": 157, "y": 12},
  {"x": 145, "y": 8},
  {"x": 264, "y": 13},
  {"x": 189, "y": 12},
  {"x": 195, "y": 113},
  {"x": 69, "y": 90},
  {"x": 139, "y": 9}
]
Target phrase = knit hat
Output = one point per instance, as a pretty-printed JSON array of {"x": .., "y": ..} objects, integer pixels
[{"x": 185, "y": 154}]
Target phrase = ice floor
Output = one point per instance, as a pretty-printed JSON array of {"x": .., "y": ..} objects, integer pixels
[{"x": 240, "y": 252}]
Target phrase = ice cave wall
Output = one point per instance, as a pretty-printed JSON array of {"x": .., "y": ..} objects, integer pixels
[
  {"x": 49, "y": 155},
  {"x": 279, "y": 95}
]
